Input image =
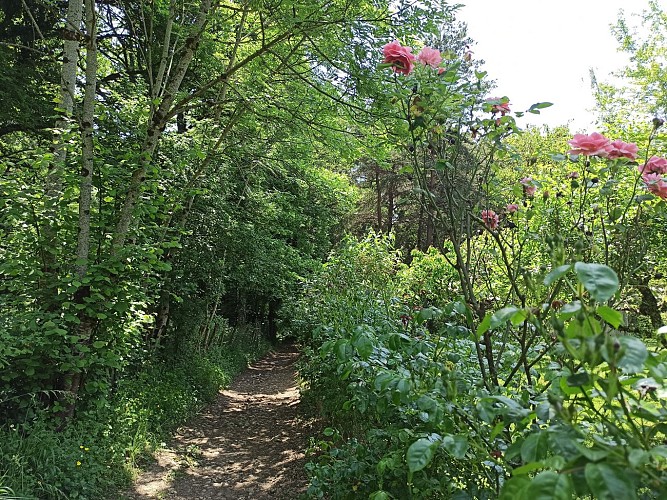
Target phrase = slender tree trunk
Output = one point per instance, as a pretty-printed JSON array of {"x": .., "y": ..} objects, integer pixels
[
  {"x": 429, "y": 231},
  {"x": 209, "y": 322},
  {"x": 390, "y": 207},
  {"x": 649, "y": 304},
  {"x": 162, "y": 316},
  {"x": 274, "y": 306},
  {"x": 86, "y": 324},
  {"x": 420, "y": 225},
  {"x": 71, "y": 35},
  {"x": 88, "y": 153},
  {"x": 156, "y": 124}
]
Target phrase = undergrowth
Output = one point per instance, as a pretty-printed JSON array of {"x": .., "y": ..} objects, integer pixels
[{"x": 102, "y": 449}]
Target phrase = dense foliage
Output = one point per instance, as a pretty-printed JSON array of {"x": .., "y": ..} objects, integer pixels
[{"x": 508, "y": 361}]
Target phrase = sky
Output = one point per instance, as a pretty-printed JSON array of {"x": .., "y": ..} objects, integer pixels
[{"x": 543, "y": 50}]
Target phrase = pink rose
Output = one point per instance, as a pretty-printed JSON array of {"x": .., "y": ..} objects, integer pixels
[
  {"x": 590, "y": 145},
  {"x": 441, "y": 71},
  {"x": 429, "y": 57},
  {"x": 512, "y": 208},
  {"x": 400, "y": 57},
  {"x": 497, "y": 106},
  {"x": 622, "y": 149},
  {"x": 655, "y": 184},
  {"x": 529, "y": 188},
  {"x": 490, "y": 219},
  {"x": 655, "y": 165}
]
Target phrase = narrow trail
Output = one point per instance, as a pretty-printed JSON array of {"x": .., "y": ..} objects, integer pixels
[{"x": 247, "y": 445}]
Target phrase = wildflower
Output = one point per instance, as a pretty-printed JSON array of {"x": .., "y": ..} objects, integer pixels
[
  {"x": 572, "y": 175},
  {"x": 400, "y": 57},
  {"x": 78, "y": 463},
  {"x": 512, "y": 208},
  {"x": 622, "y": 149},
  {"x": 590, "y": 145},
  {"x": 429, "y": 57},
  {"x": 490, "y": 219}
]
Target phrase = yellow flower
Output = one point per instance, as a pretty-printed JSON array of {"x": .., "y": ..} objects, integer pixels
[
  {"x": 78, "y": 463},
  {"x": 81, "y": 447},
  {"x": 86, "y": 449}
]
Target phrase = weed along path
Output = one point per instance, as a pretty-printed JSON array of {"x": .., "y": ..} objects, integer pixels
[{"x": 247, "y": 445}]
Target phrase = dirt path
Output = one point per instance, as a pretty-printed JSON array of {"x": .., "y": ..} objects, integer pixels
[{"x": 247, "y": 445}]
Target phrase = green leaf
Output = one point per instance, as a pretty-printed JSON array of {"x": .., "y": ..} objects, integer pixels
[
  {"x": 601, "y": 281},
  {"x": 611, "y": 316},
  {"x": 483, "y": 327},
  {"x": 420, "y": 453},
  {"x": 638, "y": 457},
  {"x": 633, "y": 354},
  {"x": 557, "y": 274},
  {"x": 609, "y": 482},
  {"x": 550, "y": 485},
  {"x": 502, "y": 316},
  {"x": 364, "y": 345},
  {"x": 515, "y": 488},
  {"x": 519, "y": 317},
  {"x": 578, "y": 379},
  {"x": 99, "y": 344},
  {"x": 591, "y": 454},
  {"x": 534, "y": 447},
  {"x": 528, "y": 468},
  {"x": 540, "y": 105},
  {"x": 456, "y": 446},
  {"x": 342, "y": 349}
]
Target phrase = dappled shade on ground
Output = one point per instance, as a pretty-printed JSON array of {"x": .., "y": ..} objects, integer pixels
[{"x": 247, "y": 445}]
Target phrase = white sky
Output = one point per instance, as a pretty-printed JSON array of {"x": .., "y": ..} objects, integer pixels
[{"x": 542, "y": 50}]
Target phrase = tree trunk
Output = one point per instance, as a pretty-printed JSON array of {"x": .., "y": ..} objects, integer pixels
[
  {"x": 390, "y": 207},
  {"x": 272, "y": 327},
  {"x": 649, "y": 304},
  {"x": 87, "y": 163},
  {"x": 73, "y": 380},
  {"x": 71, "y": 35},
  {"x": 156, "y": 124},
  {"x": 420, "y": 225}
]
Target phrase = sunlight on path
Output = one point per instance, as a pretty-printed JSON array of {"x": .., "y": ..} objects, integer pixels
[{"x": 247, "y": 445}]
